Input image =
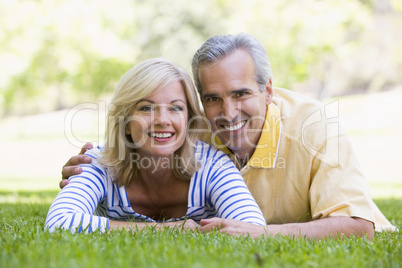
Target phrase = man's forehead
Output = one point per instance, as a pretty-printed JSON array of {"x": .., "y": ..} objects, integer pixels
[{"x": 229, "y": 88}]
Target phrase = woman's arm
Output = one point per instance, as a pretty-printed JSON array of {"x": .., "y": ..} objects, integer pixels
[
  {"x": 75, "y": 205},
  {"x": 229, "y": 194}
]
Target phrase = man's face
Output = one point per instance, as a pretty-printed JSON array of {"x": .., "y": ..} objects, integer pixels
[{"x": 233, "y": 101}]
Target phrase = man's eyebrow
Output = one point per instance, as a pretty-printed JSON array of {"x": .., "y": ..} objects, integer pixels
[
  {"x": 204, "y": 96},
  {"x": 240, "y": 90}
]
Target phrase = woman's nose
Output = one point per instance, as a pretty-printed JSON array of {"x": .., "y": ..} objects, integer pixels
[{"x": 162, "y": 117}]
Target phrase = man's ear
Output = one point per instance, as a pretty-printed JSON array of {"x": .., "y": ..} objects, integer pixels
[{"x": 269, "y": 92}]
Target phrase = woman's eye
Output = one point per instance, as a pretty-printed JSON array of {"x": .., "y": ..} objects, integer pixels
[
  {"x": 146, "y": 108},
  {"x": 176, "y": 109}
]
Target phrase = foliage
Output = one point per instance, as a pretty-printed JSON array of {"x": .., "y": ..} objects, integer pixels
[
  {"x": 77, "y": 50},
  {"x": 24, "y": 243},
  {"x": 58, "y": 53}
]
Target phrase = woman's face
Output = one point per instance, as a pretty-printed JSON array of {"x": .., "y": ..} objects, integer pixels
[{"x": 159, "y": 122}]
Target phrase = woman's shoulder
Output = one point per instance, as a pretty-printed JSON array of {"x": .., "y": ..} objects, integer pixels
[
  {"x": 95, "y": 153},
  {"x": 97, "y": 168},
  {"x": 205, "y": 147},
  {"x": 205, "y": 151},
  {"x": 214, "y": 163}
]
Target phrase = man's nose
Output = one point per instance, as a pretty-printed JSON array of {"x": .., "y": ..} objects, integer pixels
[{"x": 229, "y": 109}]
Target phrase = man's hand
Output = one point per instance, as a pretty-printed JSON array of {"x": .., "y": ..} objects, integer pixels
[
  {"x": 323, "y": 228},
  {"x": 71, "y": 167},
  {"x": 233, "y": 227}
]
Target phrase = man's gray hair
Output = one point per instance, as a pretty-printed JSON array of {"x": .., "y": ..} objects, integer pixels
[{"x": 221, "y": 46}]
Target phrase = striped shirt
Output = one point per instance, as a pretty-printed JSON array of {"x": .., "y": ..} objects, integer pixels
[{"x": 92, "y": 198}]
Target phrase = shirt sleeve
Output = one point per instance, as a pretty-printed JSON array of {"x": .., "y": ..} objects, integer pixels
[
  {"x": 76, "y": 203},
  {"x": 228, "y": 193},
  {"x": 338, "y": 186}
]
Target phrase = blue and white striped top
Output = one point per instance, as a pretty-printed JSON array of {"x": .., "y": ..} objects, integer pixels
[{"x": 90, "y": 199}]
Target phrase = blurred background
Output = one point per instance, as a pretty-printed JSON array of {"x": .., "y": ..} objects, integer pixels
[{"x": 60, "y": 61}]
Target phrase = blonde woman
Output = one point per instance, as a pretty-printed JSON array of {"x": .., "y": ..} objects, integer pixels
[{"x": 153, "y": 168}]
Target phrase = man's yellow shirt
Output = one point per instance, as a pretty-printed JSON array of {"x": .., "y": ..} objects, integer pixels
[{"x": 303, "y": 167}]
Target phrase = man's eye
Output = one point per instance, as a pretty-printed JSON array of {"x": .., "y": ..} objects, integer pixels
[
  {"x": 211, "y": 99},
  {"x": 240, "y": 94}
]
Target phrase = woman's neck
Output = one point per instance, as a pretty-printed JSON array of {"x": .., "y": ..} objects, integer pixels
[
  {"x": 156, "y": 192},
  {"x": 157, "y": 171}
]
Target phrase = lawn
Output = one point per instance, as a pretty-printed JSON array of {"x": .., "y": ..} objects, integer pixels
[
  {"x": 33, "y": 152},
  {"x": 23, "y": 243}
]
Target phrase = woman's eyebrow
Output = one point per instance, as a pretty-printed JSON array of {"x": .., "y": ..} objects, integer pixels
[
  {"x": 178, "y": 100},
  {"x": 144, "y": 100},
  {"x": 151, "y": 101}
]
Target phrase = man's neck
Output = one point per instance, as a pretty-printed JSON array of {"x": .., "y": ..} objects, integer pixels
[
  {"x": 242, "y": 159},
  {"x": 246, "y": 152}
]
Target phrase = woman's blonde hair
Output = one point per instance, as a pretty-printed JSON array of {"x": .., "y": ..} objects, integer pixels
[{"x": 140, "y": 82}]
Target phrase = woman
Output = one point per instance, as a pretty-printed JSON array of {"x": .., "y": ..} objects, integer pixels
[{"x": 153, "y": 167}]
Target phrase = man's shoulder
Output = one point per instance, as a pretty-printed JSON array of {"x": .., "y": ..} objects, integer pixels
[
  {"x": 303, "y": 117},
  {"x": 289, "y": 101}
]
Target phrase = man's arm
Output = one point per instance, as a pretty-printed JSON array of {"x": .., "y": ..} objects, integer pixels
[
  {"x": 322, "y": 228},
  {"x": 71, "y": 167}
]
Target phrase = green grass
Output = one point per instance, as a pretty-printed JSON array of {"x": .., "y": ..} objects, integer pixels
[{"x": 23, "y": 243}]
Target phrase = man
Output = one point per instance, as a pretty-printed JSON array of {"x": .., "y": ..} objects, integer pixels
[{"x": 292, "y": 153}]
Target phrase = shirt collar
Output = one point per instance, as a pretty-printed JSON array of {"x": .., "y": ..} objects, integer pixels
[{"x": 265, "y": 154}]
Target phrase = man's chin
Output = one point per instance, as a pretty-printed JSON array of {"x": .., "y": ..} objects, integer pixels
[{"x": 234, "y": 147}]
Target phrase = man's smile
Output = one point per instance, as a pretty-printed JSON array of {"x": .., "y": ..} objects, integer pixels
[{"x": 234, "y": 127}]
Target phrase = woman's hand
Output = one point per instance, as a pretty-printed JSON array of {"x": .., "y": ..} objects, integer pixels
[
  {"x": 233, "y": 227},
  {"x": 183, "y": 225}
]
